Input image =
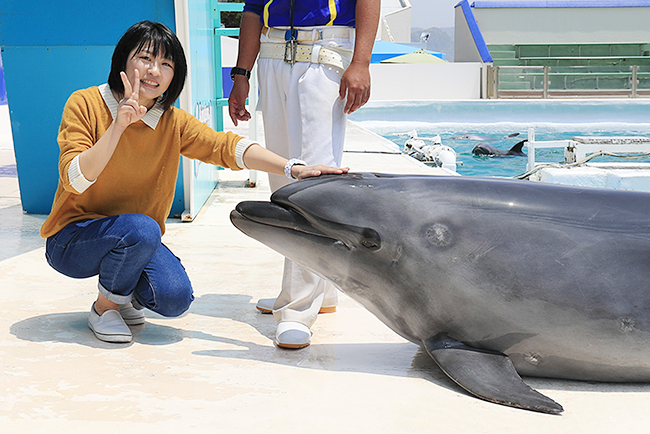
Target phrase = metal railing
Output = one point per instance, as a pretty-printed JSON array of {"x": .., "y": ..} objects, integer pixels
[{"x": 568, "y": 81}]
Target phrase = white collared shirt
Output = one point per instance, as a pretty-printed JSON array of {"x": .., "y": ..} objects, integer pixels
[{"x": 151, "y": 118}]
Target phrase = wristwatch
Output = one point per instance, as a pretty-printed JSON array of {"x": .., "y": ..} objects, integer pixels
[
  {"x": 239, "y": 71},
  {"x": 289, "y": 166}
]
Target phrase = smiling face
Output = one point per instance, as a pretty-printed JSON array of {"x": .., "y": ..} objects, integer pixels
[{"x": 156, "y": 73}]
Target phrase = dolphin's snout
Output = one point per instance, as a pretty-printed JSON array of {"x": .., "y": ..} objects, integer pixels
[{"x": 269, "y": 214}]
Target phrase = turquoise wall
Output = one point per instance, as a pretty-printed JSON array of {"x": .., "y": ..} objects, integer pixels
[{"x": 49, "y": 50}]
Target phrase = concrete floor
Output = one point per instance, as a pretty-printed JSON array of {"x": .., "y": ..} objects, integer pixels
[{"x": 215, "y": 369}]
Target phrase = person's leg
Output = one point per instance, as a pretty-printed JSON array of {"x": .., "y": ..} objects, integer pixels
[
  {"x": 321, "y": 114},
  {"x": 303, "y": 118},
  {"x": 273, "y": 78},
  {"x": 127, "y": 253},
  {"x": 164, "y": 286},
  {"x": 116, "y": 248}
]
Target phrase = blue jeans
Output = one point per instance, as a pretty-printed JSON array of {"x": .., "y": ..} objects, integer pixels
[{"x": 132, "y": 262}]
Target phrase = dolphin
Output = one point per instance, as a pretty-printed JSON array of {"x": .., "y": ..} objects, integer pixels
[
  {"x": 495, "y": 278},
  {"x": 489, "y": 150},
  {"x": 471, "y": 137}
]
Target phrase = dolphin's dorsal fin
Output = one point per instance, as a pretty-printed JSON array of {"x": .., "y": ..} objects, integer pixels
[
  {"x": 486, "y": 374},
  {"x": 518, "y": 147}
]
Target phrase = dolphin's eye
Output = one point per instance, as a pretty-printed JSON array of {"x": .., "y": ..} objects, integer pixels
[{"x": 370, "y": 239}]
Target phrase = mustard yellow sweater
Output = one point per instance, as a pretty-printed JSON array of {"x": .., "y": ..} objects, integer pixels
[{"x": 141, "y": 175}]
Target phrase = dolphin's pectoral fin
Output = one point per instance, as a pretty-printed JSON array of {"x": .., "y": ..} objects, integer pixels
[{"x": 486, "y": 374}]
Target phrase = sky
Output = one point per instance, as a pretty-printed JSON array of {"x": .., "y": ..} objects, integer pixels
[{"x": 432, "y": 13}]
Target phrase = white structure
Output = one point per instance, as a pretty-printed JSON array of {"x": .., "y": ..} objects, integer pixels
[
  {"x": 466, "y": 33},
  {"x": 576, "y": 171},
  {"x": 425, "y": 81},
  {"x": 395, "y": 21},
  {"x": 553, "y": 22},
  {"x": 548, "y": 22}
]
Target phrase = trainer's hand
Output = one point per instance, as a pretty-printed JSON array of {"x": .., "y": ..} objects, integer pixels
[
  {"x": 355, "y": 83},
  {"x": 237, "y": 100}
]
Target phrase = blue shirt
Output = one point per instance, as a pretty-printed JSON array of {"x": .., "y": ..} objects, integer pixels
[{"x": 307, "y": 13}]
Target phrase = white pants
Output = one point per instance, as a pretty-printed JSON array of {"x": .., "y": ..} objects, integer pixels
[{"x": 303, "y": 118}]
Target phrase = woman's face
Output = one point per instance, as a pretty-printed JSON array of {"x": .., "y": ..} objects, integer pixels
[{"x": 156, "y": 74}]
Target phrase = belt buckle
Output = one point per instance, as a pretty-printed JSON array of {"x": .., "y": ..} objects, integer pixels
[{"x": 290, "y": 49}]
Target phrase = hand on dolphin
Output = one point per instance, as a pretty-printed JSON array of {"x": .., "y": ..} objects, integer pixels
[{"x": 302, "y": 172}]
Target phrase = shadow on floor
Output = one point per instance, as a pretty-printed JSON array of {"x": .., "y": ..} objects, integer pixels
[
  {"x": 392, "y": 359},
  {"x": 20, "y": 233}
]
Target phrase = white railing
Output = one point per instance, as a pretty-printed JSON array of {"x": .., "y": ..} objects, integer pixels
[{"x": 579, "y": 148}]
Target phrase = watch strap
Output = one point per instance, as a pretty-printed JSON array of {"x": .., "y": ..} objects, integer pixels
[{"x": 239, "y": 71}]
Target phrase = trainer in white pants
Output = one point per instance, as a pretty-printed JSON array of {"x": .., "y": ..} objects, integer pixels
[{"x": 303, "y": 118}]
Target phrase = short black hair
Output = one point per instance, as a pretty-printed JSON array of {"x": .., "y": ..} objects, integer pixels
[{"x": 161, "y": 40}]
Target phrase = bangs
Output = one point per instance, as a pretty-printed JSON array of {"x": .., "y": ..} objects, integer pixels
[{"x": 159, "y": 46}]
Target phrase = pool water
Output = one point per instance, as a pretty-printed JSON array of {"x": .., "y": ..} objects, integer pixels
[
  {"x": 508, "y": 166},
  {"x": 551, "y": 120}
]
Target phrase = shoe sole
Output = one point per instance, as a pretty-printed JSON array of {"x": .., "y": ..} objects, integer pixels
[
  {"x": 292, "y": 346},
  {"x": 114, "y": 339},
  {"x": 134, "y": 321},
  {"x": 328, "y": 309}
]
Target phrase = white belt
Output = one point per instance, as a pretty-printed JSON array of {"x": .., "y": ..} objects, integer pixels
[
  {"x": 306, "y": 53},
  {"x": 311, "y": 35}
]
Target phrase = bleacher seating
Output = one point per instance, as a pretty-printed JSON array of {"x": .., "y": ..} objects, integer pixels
[{"x": 576, "y": 67}]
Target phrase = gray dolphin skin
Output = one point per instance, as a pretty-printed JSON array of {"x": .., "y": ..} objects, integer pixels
[
  {"x": 491, "y": 151},
  {"x": 496, "y": 278}
]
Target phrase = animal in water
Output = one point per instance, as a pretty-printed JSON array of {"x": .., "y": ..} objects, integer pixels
[
  {"x": 495, "y": 278},
  {"x": 491, "y": 151},
  {"x": 471, "y": 137}
]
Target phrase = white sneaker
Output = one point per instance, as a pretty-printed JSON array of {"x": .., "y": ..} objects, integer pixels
[
  {"x": 293, "y": 335},
  {"x": 109, "y": 326},
  {"x": 265, "y": 305},
  {"x": 131, "y": 315}
]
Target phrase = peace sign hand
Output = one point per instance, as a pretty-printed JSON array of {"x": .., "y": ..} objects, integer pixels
[{"x": 129, "y": 109}]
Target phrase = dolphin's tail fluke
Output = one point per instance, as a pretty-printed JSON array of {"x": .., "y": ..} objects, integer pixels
[{"x": 488, "y": 375}]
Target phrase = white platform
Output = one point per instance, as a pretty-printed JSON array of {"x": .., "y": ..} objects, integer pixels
[
  {"x": 216, "y": 370},
  {"x": 618, "y": 176}
]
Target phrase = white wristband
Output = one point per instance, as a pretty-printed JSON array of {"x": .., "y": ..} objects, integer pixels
[{"x": 289, "y": 166}]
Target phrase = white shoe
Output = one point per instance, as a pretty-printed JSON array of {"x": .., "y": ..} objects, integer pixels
[
  {"x": 265, "y": 305},
  {"x": 131, "y": 315},
  {"x": 109, "y": 326},
  {"x": 293, "y": 335}
]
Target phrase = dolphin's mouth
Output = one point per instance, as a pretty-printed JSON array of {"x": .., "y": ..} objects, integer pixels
[
  {"x": 285, "y": 216},
  {"x": 271, "y": 214}
]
